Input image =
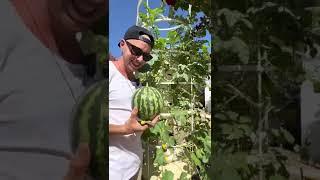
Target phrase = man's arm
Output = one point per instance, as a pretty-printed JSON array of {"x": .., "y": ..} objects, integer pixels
[{"x": 119, "y": 129}]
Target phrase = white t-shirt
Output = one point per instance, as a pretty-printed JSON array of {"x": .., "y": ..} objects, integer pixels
[{"x": 125, "y": 151}]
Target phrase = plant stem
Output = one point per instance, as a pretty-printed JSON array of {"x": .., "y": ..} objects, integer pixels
[
  {"x": 247, "y": 98},
  {"x": 266, "y": 118},
  {"x": 148, "y": 161},
  {"x": 192, "y": 99},
  {"x": 260, "y": 124}
]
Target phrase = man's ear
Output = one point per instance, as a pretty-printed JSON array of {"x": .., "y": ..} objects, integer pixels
[{"x": 121, "y": 43}]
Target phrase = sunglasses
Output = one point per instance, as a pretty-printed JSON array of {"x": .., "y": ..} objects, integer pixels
[{"x": 138, "y": 52}]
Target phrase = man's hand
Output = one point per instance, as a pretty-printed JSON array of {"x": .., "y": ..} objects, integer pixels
[
  {"x": 79, "y": 164},
  {"x": 132, "y": 125}
]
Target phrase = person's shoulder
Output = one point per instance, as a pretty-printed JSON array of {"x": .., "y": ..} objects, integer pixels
[
  {"x": 112, "y": 59},
  {"x": 111, "y": 66},
  {"x": 110, "y": 63},
  {"x": 112, "y": 70}
]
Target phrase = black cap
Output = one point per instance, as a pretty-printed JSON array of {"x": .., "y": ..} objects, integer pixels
[{"x": 137, "y": 32}]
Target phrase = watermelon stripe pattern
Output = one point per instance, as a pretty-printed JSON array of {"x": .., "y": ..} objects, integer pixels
[
  {"x": 149, "y": 102},
  {"x": 89, "y": 126}
]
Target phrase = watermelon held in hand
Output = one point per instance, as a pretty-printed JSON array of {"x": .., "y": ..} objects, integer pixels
[
  {"x": 89, "y": 126},
  {"x": 149, "y": 102}
]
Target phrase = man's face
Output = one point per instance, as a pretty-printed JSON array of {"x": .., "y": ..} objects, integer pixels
[{"x": 135, "y": 54}]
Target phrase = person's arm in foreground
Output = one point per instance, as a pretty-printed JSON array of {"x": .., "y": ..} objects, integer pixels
[{"x": 79, "y": 164}]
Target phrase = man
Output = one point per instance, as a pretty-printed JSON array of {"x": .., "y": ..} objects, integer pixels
[
  {"x": 41, "y": 76},
  {"x": 125, "y": 148}
]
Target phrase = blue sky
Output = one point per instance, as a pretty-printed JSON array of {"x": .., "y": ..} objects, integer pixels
[{"x": 122, "y": 15}]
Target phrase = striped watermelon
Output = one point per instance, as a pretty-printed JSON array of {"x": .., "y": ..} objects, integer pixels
[
  {"x": 89, "y": 126},
  {"x": 149, "y": 102}
]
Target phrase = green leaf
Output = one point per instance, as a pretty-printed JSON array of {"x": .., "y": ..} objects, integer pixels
[
  {"x": 287, "y": 135},
  {"x": 265, "y": 6},
  {"x": 235, "y": 45},
  {"x": 204, "y": 49},
  {"x": 229, "y": 174},
  {"x": 247, "y": 23},
  {"x": 240, "y": 47},
  {"x": 236, "y": 134},
  {"x": 231, "y": 16},
  {"x": 232, "y": 115},
  {"x": 207, "y": 144},
  {"x": 173, "y": 37},
  {"x": 159, "y": 160},
  {"x": 143, "y": 16},
  {"x": 275, "y": 132},
  {"x": 171, "y": 141},
  {"x": 226, "y": 128},
  {"x": 220, "y": 116},
  {"x": 160, "y": 43},
  {"x": 276, "y": 41},
  {"x": 246, "y": 129},
  {"x": 167, "y": 175},
  {"x": 287, "y": 11},
  {"x": 185, "y": 77},
  {"x": 157, "y": 128},
  {"x": 239, "y": 160},
  {"x": 195, "y": 159},
  {"x": 199, "y": 153},
  {"x": 180, "y": 116},
  {"x": 164, "y": 136},
  {"x": 245, "y": 119},
  {"x": 183, "y": 176},
  {"x": 277, "y": 177}
]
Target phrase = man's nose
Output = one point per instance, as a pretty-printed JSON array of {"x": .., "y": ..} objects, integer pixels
[{"x": 140, "y": 58}]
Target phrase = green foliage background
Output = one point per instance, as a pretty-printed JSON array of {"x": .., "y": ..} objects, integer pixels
[{"x": 179, "y": 70}]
